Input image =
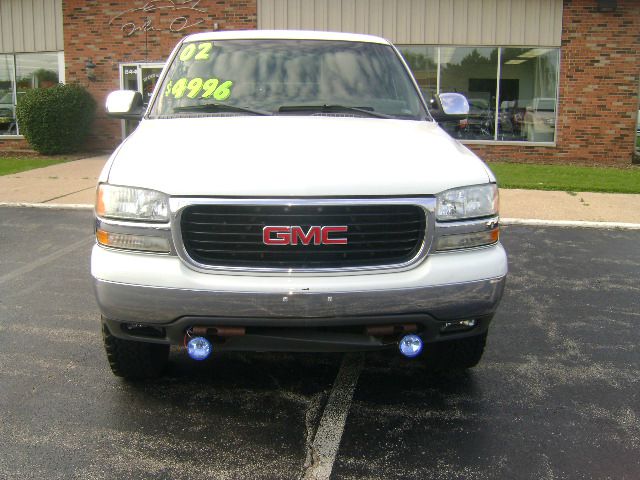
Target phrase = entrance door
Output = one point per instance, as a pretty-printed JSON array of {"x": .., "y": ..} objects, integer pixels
[{"x": 141, "y": 77}]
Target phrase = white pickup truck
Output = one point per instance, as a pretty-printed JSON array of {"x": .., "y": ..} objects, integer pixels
[{"x": 290, "y": 191}]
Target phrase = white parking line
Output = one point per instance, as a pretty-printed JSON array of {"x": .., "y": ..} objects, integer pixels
[
  {"x": 68, "y": 194},
  {"x": 45, "y": 260},
  {"x": 327, "y": 440}
]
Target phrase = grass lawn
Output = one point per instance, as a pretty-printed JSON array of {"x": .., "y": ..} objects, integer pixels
[
  {"x": 9, "y": 165},
  {"x": 567, "y": 178}
]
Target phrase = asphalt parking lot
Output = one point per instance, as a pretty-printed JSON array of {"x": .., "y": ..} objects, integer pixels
[{"x": 556, "y": 395}]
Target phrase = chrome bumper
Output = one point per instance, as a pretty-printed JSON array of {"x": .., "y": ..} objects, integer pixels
[{"x": 161, "y": 306}]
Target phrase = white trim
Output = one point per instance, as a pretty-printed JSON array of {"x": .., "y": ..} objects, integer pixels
[
  {"x": 496, "y": 114},
  {"x": 61, "y": 67},
  {"x": 437, "y": 72},
  {"x": 11, "y": 137},
  {"x": 121, "y": 76},
  {"x": 557, "y": 112}
]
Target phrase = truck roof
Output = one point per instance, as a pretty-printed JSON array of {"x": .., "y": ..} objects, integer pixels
[{"x": 285, "y": 35}]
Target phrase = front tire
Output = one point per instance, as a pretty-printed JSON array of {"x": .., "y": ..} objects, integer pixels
[
  {"x": 455, "y": 354},
  {"x": 134, "y": 360}
]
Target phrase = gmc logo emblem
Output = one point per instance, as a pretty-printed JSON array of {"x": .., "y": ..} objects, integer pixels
[{"x": 295, "y": 234}]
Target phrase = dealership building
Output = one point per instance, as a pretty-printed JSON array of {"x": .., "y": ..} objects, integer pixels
[{"x": 548, "y": 81}]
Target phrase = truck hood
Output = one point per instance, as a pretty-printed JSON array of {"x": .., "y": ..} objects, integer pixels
[{"x": 293, "y": 156}]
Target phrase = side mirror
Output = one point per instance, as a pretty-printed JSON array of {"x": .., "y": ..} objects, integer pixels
[
  {"x": 450, "y": 106},
  {"x": 126, "y": 104}
]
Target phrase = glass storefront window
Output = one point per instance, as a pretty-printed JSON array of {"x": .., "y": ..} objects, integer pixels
[
  {"x": 21, "y": 72},
  {"x": 36, "y": 70},
  {"x": 472, "y": 72},
  {"x": 528, "y": 88},
  {"x": 7, "y": 96},
  {"x": 423, "y": 61}
]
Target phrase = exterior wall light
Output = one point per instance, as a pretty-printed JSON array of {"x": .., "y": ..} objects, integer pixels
[{"x": 90, "y": 69}]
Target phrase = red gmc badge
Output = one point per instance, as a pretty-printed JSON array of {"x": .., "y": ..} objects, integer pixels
[{"x": 292, "y": 235}]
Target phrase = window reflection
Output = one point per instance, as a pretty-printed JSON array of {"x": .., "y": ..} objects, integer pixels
[
  {"x": 269, "y": 74},
  {"x": 528, "y": 94},
  {"x": 527, "y": 89},
  {"x": 36, "y": 70},
  {"x": 472, "y": 72},
  {"x": 22, "y": 72},
  {"x": 423, "y": 61}
]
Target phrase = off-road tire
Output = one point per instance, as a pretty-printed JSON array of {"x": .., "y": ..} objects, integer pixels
[
  {"x": 134, "y": 360},
  {"x": 455, "y": 354}
]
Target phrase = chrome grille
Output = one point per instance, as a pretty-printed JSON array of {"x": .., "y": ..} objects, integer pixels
[{"x": 230, "y": 235}]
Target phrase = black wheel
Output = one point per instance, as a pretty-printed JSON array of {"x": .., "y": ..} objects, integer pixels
[
  {"x": 134, "y": 360},
  {"x": 455, "y": 354}
]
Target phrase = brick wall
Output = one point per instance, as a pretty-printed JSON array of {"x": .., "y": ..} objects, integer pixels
[
  {"x": 599, "y": 82},
  {"x": 88, "y": 34},
  {"x": 15, "y": 145}
]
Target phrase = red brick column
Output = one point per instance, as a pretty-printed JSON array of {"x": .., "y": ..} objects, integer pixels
[
  {"x": 99, "y": 31},
  {"x": 599, "y": 82}
]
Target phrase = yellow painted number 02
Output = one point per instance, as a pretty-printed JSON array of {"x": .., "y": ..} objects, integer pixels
[{"x": 197, "y": 52}]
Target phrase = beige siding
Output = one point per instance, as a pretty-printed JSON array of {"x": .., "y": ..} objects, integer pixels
[
  {"x": 437, "y": 22},
  {"x": 30, "y": 26}
]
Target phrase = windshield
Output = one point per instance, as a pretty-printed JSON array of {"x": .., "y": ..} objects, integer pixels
[{"x": 288, "y": 77}]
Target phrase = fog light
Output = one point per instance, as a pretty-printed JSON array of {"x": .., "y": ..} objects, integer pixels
[
  {"x": 410, "y": 346},
  {"x": 458, "y": 326},
  {"x": 199, "y": 348}
]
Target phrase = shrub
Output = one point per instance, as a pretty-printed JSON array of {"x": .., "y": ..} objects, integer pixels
[{"x": 57, "y": 119}]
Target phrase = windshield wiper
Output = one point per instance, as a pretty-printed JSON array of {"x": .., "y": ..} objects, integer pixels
[
  {"x": 331, "y": 109},
  {"x": 214, "y": 107}
]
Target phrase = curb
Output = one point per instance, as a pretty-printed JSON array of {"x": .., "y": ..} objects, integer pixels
[
  {"x": 569, "y": 223},
  {"x": 52, "y": 206},
  {"x": 504, "y": 221}
]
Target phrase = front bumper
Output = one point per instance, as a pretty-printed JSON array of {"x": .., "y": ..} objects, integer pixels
[
  {"x": 297, "y": 321},
  {"x": 155, "y": 305},
  {"x": 157, "y": 298}
]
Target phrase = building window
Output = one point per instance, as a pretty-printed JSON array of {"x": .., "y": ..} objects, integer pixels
[
  {"x": 472, "y": 72},
  {"x": 423, "y": 61},
  {"x": 528, "y": 78},
  {"x": 21, "y": 72},
  {"x": 520, "y": 84}
]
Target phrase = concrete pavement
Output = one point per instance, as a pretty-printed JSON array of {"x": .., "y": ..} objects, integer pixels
[
  {"x": 64, "y": 183},
  {"x": 73, "y": 183}
]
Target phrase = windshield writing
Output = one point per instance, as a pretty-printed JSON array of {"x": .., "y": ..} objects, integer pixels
[{"x": 273, "y": 75}]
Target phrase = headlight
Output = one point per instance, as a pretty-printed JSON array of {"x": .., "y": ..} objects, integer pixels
[
  {"x": 128, "y": 203},
  {"x": 467, "y": 202}
]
